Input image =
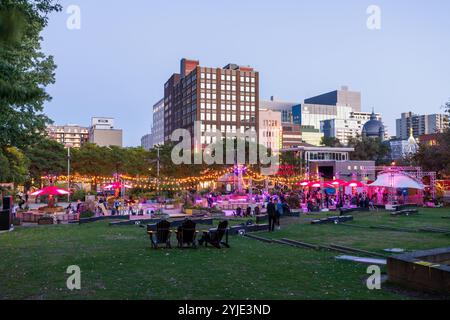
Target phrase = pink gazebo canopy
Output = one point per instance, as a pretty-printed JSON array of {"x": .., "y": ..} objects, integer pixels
[{"x": 51, "y": 191}]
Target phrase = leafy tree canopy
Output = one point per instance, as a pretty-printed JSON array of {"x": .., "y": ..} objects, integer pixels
[{"x": 25, "y": 71}]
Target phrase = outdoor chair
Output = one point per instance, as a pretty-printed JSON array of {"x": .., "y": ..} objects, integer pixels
[
  {"x": 215, "y": 236},
  {"x": 186, "y": 234},
  {"x": 161, "y": 235}
]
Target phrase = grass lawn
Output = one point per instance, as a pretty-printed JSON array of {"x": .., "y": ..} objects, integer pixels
[{"x": 117, "y": 262}]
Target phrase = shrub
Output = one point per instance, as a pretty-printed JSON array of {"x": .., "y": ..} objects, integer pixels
[
  {"x": 87, "y": 214},
  {"x": 78, "y": 195}
]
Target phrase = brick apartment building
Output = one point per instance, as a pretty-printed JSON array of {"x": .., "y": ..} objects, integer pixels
[{"x": 224, "y": 99}]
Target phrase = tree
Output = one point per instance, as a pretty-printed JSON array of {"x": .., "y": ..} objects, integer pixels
[
  {"x": 331, "y": 142},
  {"x": 25, "y": 71},
  {"x": 13, "y": 165},
  {"x": 47, "y": 157},
  {"x": 91, "y": 160},
  {"x": 138, "y": 162},
  {"x": 369, "y": 149},
  {"x": 436, "y": 157}
]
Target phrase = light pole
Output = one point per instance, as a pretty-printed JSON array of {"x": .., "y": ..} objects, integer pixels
[
  {"x": 68, "y": 170},
  {"x": 157, "y": 169}
]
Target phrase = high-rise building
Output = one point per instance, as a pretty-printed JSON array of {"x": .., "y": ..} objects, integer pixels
[
  {"x": 69, "y": 135},
  {"x": 270, "y": 129},
  {"x": 158, "y": 123},
  {"x": 147, "y": 141},
  {"x": 337, "y": 104},
  {"x": 224, "y": 100},
  {"x": 342, "y": 129},
  {"x": 420, "y": 124},
  {"x": 285, "y": 108},
  {"x": 103, "y": 133},
  {"x": 343, "y": 97}
]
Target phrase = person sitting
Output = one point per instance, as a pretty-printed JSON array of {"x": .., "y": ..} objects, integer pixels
[
  {"x": 238, "y": 211},
  {"x": 248, "y": 211}
]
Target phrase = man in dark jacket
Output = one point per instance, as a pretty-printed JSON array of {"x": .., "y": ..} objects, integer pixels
[{"x": 272, "y": 212}]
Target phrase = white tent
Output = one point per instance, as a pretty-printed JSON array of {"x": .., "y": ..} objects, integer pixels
[{"x": 396, "y": 180}]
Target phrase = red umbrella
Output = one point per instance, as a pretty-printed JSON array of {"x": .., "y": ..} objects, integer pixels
[
  {"x": 337, "y": 182},
  {"x": 355, "y": 184},
  {"x": 304, "y": 183},
  {"x": 315, "y": 184},
  {"x": 116, "y": 185},
  {"x": 51, "y": 191}
]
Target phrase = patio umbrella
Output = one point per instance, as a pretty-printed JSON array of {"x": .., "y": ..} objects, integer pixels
[
  {"x": 355, "y": 184},
  {"x": 315, "y": 184},
  {"x": 304, "y": 183},
  {"x": 338, "y": 182},
  {"x": 116, "y": 185},
  {"x": 51, "y": 191}
]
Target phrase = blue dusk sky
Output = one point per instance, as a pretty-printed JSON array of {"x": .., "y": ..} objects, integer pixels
[{"x": 116, "y": 64}]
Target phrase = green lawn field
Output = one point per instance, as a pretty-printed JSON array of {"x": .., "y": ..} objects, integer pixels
[{"x": 118, "y": 263}]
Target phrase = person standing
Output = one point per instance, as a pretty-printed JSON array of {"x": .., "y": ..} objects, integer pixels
[
  {"x": 272, "y": 213},
  {"x": 279, "y": 212}
]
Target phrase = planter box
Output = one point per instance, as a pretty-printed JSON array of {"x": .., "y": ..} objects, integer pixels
[{"x": 45, "y": 221}]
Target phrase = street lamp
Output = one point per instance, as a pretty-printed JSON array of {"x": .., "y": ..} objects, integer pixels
[{"x": 68, "y": 146}]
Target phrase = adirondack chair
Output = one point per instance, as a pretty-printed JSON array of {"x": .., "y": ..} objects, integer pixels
[
  {"x": 161, "y": 235},
  {"x": 215, "y": 236},
  {"x": 186, "y": 234}
]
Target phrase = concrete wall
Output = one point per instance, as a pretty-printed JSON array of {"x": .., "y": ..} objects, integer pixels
[{"x": 106, "y": 138}]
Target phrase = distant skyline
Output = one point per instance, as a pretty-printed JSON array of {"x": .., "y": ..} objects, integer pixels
[{"x": 117, "y": 63}]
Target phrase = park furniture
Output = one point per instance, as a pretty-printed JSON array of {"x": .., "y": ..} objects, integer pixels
[
  {"x": 215, "y": 236},
  {"x": 186, "y": 234},
  {"x": 406, "y": 212},
  {"x": 161, "y": 235}
]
